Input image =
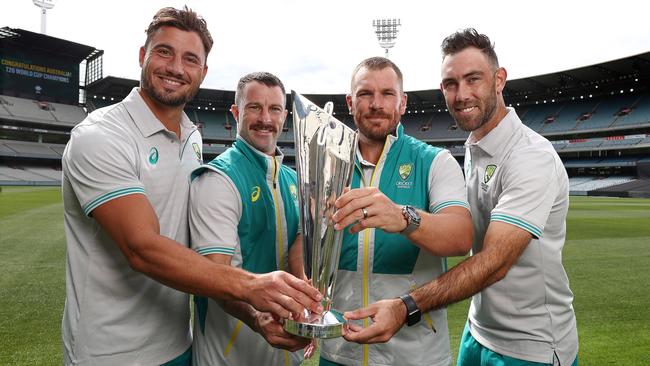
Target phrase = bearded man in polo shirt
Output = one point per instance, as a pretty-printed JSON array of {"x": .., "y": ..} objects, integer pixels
[
  {"x": 517, "y": 188},
  {"x": 125, "y": 188}
]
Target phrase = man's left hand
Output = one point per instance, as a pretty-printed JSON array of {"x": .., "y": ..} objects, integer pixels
[
  {"x": 368, "y": 208},
  {"x": 387, "y": 316}
]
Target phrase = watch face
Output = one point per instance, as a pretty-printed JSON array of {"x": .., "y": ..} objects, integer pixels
[{"x": 414, "y": 217}]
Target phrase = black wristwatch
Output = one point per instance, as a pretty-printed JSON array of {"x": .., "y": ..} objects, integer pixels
[
  {"x": 413, "y": 313},
  {"x": 412, "y": 219}
]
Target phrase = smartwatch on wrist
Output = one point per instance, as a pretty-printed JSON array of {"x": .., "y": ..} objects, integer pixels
[
  {"x": 413, "y": 313},
  {"x": 412, "y": 219}
]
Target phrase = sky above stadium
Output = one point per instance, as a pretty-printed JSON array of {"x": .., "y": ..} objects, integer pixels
[{"x": 313, "y": 45}]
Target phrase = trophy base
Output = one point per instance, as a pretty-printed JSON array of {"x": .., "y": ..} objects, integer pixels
[{"x": 327, "y": 325}]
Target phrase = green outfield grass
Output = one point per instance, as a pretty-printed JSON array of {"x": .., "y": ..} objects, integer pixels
[{"x": 607, "y": 257}]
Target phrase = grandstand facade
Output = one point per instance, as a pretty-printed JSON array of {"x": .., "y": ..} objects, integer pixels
[{"x": 597, "y": 117}]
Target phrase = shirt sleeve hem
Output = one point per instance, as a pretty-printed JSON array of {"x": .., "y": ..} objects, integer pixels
[
  {"x": 445, "y": 204},
  {"x": 216, "y": 250},
  {"x": 534, "y": 230},
  {"x": 89, "y": 207}
]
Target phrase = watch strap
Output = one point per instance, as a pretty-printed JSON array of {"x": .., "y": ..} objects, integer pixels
[{"x": 413, "y": 313}]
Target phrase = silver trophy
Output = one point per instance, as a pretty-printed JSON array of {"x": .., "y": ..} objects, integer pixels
[{"x": 325, "y": 151}]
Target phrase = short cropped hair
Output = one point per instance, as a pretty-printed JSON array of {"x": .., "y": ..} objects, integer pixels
[
  {"x": 184, "y": 19},
  {"x": 261, "y": 77},
  {"x": 378, "y": 63},
  {"x": 469, "y": 37}
]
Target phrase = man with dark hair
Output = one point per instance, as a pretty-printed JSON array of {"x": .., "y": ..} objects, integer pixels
[
  {"x": 404, "y": 193},
  {"x": 521, "y": 312},
  {"x": 125, "y": 189},
  {"x": 244, "y": 213}
]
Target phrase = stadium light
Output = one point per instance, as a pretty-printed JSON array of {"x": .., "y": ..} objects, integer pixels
[
  {"x": 387, "y": 30},
  {"x": 45, "y": 5}
]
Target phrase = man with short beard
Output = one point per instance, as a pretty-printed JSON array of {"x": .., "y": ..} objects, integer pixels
[
  {"x": 408, "y": 212},
  {"x": 521, "y": 311},
  {"x": 244, "y": 213},
  {"x": 125, "y": 189}
]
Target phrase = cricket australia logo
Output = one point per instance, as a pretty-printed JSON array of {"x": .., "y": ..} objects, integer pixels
[
  {"x": 405, "y": 171},
  {"x": 153, "y": 156},
  {"x": 255, "y": 194},
  {"x": 294, "y": 192},
  {"x": 197, "y": 151},
  {"x": 489, "y": 172}
]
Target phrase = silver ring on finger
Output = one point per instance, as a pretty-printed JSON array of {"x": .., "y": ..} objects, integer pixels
[{"x": 365, "y": 212}]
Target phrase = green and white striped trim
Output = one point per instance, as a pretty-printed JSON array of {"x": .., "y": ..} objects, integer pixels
[
  {"x": 446, "y": 204},
  {"x": 216, "y": 250},
  {"x": 89, "y": 207},
  {"x": 517, "y": 222}
]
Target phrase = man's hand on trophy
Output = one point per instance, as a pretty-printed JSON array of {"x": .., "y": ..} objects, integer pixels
[
  {"x": 271, "y": 329},
  {"x": 311, "y": 348},
  {"x": 368, "y": 208},
  {"x": 283, "y": 295},
  {"x": 387, "y": 317}
]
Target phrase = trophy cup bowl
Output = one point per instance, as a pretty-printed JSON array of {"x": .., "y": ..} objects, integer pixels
[{"x": 325, "y": 151}]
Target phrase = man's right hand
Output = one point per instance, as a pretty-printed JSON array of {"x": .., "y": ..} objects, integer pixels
[
  {"x": 275, "y": 335},
  {"x": 283, "y": 295}
]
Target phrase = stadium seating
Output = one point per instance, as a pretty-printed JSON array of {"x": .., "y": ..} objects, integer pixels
[
  {"x": 639, "y": 115},
  {"x": 45, "y": 112},
  {"x": 618, "y": 143},
  {"x": 11, "y": 175},
  {"x": 30, "y": 149},
  {"x": 634, "y": 188},
  {"x": 582, "y": 145},
  {"x": 49, "y": 173},
  {"x": 605, "y": 114},
  {"x": 536, "y": 115},
  {"x": 69, "y": 114},
  {"x": 601, "y": 162},
  {"x": 215, "y": 124},
  {"x": 597, "y": 183},
  {"x": 567, "y": 117},
  {"x": 26, "y": 110}
]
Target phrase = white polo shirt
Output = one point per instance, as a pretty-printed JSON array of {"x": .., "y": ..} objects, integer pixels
[
  {"x": 515, "y": 176},
  {"x": 114, "y": 315}
]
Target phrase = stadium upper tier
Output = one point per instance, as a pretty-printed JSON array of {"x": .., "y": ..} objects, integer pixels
[
  {"x": 26, "y": 110},
  {"x": 574, "y": 117},
  {"x": 616, "y": 113}
]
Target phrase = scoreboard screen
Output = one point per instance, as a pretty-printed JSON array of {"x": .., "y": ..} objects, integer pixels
[{"x": 29, "y": 74}]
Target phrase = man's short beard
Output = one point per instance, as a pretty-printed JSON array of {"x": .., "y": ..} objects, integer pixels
[
  {"x": 377, "y": 136},
  {"x": 491, "y": 108},
  {"x": 164, "y": 99}
]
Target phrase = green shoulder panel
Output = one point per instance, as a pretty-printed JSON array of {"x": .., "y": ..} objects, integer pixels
[{"x": 405, "y": 180}]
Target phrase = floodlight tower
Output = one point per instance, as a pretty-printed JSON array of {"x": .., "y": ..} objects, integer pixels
[
  {"x": 45, "y": 5},
  {"x": 387, "y": 30}
]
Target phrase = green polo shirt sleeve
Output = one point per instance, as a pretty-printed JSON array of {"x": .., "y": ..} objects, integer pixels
[
  {"x": 214, "y": 214},
  {"x": 530, "y": 185},
  {"x": 100, "y": 162},
  {"x": 446, "y": 183}
]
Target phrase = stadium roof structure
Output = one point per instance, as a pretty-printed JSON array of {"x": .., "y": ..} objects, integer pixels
[
  {"x": 111, "y": 86},
  {"x": 598, "y": 79},
  {"x": 119, "y": 87},
  {"x": 51, "y": 45}
]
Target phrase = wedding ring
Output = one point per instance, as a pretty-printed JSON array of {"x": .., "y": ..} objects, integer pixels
[{"x": 365, "y": 213}]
